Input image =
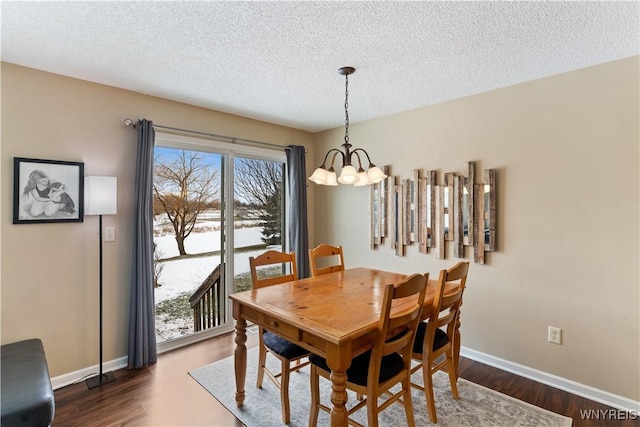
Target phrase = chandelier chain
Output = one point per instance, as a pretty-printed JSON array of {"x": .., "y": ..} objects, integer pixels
[{"x": 346, "y": 109}]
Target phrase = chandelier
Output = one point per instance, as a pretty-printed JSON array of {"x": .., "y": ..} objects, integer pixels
[{"x": 349, "y": 175}]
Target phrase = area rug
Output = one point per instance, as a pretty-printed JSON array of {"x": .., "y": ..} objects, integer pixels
[{"x": 477, "y": 406}]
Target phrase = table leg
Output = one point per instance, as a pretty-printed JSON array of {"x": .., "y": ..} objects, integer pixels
[
  {"x": 240, "y": 359},
  {"x": 339, "y": 360},
  {"x": 339, "y": 398}
]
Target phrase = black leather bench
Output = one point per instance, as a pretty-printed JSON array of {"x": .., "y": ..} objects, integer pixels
[{"x": 27, "y": 395}]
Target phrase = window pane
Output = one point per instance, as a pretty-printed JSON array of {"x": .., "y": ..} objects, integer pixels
[
  {"x": 187, "y": 238},
  {"x": 258, "y": 209}
]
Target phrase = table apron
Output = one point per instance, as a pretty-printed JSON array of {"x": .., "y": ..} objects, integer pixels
[{"x": 304, "y": 338}]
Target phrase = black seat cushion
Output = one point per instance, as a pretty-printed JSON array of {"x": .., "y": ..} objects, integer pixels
[
  {"x": 439, "y": 341},
  {"x": 281, "y": 346},
  {"x": 359, "y": 369},
  {"x": 27, "y": 395}
]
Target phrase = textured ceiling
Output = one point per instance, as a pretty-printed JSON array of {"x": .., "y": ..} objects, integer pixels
[{"x": 278, "y": 61}]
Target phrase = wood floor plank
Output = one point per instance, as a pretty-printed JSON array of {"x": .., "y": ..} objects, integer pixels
[{"x": 165, "y": 395}]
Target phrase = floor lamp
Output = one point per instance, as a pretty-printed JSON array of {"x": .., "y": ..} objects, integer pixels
[{"x": 100, "y": 199}]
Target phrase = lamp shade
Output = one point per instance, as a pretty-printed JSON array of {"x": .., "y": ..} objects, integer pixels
[
  {"x": 319, "y": 176},
  {"x": 331, "y": 179},
  {"x": 376, "y": 175},
  {"x": 348, "y": 175},
  {"x": 363, "y": 179},
  {"x": 100, "y": 195}
]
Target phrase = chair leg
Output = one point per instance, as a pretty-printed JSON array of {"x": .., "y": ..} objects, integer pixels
[
  {"x": 372, "y": 410},
  {"x": 284, "y": 390},
  {"x": 262, "y": 359},
  {"x": 428, "y": 390},
  {"x": 408, "y": 404},
  {"x": 453, "y": 377},
  {"x": 315, "y": 397},
  {"x": 456, "y": 349}
]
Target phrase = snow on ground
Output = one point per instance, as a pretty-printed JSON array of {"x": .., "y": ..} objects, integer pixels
[
  {"x": 199, "y": 242},
  {"x": 183, "y": 275}
]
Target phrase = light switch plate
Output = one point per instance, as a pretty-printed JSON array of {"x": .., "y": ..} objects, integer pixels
[{"x": 109, "y": 234}]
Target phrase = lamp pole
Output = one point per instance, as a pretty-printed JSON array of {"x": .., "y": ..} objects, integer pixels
[{"x": 100, "y": 198}]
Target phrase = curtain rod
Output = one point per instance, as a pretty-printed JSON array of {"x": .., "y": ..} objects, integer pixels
[{"x": 132, "y": 123}]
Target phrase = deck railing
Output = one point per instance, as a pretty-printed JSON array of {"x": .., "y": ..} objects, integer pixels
[{"x": 208, "y": 302}]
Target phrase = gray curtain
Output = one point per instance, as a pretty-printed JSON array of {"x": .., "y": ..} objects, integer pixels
[
  {"x": 298, "y": 230},
  {"x": 142, "y": 334}
]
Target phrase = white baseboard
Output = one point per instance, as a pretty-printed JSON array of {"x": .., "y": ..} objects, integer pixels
[
  {"x": 570, "y": 386},
  {"x": 83, "y": 374}
]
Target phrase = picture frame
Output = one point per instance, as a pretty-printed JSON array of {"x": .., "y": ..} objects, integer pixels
[{"x": 47, "y": 191}]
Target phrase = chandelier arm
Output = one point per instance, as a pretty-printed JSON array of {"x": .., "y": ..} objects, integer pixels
[
  {"x": 324, "y": 162},
  {"x": 333, "y": 159},
  {"x": 358, "y": 156},
  {"x": 365, "y": 153}
]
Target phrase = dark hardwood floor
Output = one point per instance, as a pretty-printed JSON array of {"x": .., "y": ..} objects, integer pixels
[{"x": 165, "y": 394}]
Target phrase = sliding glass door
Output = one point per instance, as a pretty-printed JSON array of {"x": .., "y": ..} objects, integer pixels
[
  {"x": 215, "y": 205},
  {"x": 258, "y": 213}
]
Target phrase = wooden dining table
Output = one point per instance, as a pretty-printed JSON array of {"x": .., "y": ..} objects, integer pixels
[{"x": 335, "y": 316}]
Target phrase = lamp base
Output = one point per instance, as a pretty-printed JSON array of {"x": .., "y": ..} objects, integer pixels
[{"x": 96, "y": 381}]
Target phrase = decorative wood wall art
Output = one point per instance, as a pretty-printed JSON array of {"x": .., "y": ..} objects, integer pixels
[
  {"x": 374, "y": 215},
  {"x": 414, "y": 208},
  {"x": 448, "y": 205},
  {"x": 408, "y": 223},
  {"x": 400, "y": 220},
  {"x": 458, "y": 207},
  {"x": 467, "y": 208},
  {"x": 427, "y": 202},
  {"x": 392, "y": 203},
  {"x": 460, "y": 213},
  {"x": 378, "y": 210}
]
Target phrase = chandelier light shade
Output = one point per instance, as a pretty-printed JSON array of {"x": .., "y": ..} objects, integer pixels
[{"x": 349, "y": 175}]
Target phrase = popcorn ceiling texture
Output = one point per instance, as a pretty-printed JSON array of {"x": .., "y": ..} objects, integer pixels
[{"x": 278, "y": 61}]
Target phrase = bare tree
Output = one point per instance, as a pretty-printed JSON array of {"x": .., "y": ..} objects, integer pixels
[
  {"x": 257, "y": 180},
  {"x": 185, "y": 185},
  {"x": 259, "y": 183},
  {"x": 158, "y": 266}
]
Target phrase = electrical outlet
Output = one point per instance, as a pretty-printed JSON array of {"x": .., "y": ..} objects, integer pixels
[{"x": 555, "y": 335}]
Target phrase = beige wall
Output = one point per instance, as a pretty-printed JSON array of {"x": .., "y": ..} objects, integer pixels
[
  {"x": 566, "y": 150},
  {"x": 49, "y": 272}
]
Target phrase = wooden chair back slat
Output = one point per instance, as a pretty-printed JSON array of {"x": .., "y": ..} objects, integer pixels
[
  {"x": 324, "y": 251},
  {"x": 272, "y": 257}
]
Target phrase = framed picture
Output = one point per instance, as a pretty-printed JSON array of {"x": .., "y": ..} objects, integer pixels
[{"x": 46, "y": 191}]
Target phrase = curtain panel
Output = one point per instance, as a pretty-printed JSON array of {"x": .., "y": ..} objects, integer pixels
[
  {"x": 142, "y": 335},
  {"x": 297, "y": 214}
]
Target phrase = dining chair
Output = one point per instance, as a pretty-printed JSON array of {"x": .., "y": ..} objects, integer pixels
[
  {"x": 437, "y": 339},
  {"x": 286, "y": 352},
  {"x": 388, "y": 363},
  {"x": 324, "y": 251},
  {"x": 458, "y": 273}
]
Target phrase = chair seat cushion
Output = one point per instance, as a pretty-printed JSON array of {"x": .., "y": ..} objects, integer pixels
[
  {"x": 359, "y": 369},
  {"x": 439, "y": 341},
  {"x": 283, "y": 347}
]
